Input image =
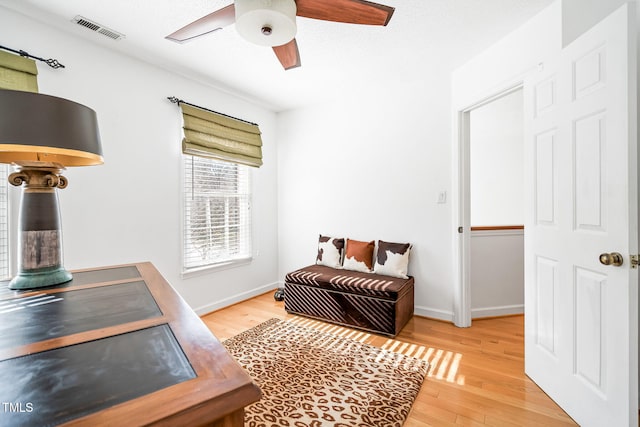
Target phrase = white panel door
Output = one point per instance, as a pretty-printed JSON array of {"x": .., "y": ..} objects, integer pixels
[{"x": 581, "y": 317}]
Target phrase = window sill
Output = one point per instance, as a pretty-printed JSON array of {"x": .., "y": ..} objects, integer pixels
[{"x": 201, "y": 271}]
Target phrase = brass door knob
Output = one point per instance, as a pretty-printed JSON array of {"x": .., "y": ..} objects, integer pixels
[{"x": 614, "y": 258}]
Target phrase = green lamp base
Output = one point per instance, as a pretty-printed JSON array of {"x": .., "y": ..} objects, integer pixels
[
  {"x": 40, "y": 234},
  {"x": 39, "y": 279}
]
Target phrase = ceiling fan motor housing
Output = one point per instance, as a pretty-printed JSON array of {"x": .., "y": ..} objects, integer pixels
[{"x": 266, "y": 22}]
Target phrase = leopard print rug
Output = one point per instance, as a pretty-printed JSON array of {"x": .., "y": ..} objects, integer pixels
[{"x": 313, "y": 378}]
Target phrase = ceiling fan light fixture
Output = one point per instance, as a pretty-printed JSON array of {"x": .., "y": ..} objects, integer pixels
[{"x": 266, "y": 22}]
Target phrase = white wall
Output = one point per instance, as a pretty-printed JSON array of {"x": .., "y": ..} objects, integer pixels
[
  {"x": 129, "y": 209},
  {"x": 497, "y": 273},
  {"x": 580, "y": 15},
  {"x": 497, "y": 160},
  {"x": 370, "y": 167}
]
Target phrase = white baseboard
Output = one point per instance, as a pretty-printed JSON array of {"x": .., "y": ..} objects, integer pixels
[
  {"x": 208, "y": 308},
  {"x": 433, "y": 313},
  {"x": 507, "y": 310}
]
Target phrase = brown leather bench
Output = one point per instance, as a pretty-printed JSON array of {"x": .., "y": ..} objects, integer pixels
[{"x": 368, "y": 301}]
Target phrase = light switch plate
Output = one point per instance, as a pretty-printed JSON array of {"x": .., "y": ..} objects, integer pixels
[{"x": 442, "y": 197}]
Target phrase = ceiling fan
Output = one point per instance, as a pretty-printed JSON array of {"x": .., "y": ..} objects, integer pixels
[{"x": 273, "y": 22}]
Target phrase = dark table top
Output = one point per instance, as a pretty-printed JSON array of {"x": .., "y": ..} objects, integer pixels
[{"x": 116, "y": 345}]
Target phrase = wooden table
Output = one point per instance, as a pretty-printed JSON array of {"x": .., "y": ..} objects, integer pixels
[{"x": 115, "y": 346}]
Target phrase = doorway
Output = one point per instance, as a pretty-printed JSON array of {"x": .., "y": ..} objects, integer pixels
[
  {"x": 509, "y": 95},
  {"x": 496, "y": 150}
]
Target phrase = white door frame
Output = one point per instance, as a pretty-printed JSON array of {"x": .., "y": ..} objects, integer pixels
[{"x": 462, "y": 200}]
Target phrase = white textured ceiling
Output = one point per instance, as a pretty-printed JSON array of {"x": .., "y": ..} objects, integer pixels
[{"x": 423, "y": 37}]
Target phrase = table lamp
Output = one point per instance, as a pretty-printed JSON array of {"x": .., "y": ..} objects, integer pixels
[{"x": 40, "y": 135}]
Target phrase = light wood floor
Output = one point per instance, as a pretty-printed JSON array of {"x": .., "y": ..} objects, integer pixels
[{"x": 476, "y": 375}]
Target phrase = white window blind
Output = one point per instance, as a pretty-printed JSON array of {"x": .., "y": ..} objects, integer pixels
[
  {"x": 16, "y": 73},
  {"x": 217, "y": 213},
  {"x": 4, "y": 222}
]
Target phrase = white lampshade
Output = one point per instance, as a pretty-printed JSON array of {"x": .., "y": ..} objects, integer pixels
[{"x": 266, "y": 22}]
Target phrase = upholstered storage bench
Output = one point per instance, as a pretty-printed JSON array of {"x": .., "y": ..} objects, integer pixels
[{"x": 377, "y": 303}]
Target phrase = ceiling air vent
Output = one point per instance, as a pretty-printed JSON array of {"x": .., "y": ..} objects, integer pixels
[{"x": 94, "y": 26}]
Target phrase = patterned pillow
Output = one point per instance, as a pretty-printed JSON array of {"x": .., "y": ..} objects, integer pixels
[
  {"x": 330, "y": 251},
  {"x": 392, "y": 259},
  {"x": 359, "y": 256}
]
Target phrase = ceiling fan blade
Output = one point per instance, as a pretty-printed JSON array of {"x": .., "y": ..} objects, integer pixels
[
  {"x": 205, "y": 25},
  {"x": 288, "y": 54},
  {"x": 348, "y": 11}
]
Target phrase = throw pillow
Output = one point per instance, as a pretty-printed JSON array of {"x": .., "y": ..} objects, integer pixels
[
  {"x": 330, "y": 250},
  {"x": 392, "y": 259},
  {"x": 359, "y": 256}
]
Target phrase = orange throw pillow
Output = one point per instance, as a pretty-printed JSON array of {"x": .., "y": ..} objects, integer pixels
[{"x": 359, "y": 256}]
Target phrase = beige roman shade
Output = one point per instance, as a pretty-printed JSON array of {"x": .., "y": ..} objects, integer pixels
[
  {"x": 216, "y": 136},
  {"x": 18, "y": 73}
]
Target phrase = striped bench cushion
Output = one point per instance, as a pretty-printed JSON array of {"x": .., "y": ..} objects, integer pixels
[{"x": 348, "y": 281}]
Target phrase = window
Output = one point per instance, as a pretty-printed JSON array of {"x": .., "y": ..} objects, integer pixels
[
  {"x": 16, "y": 73},
  {"x": 217, "y": 213},
  {"x": 4, "y": 223}
]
